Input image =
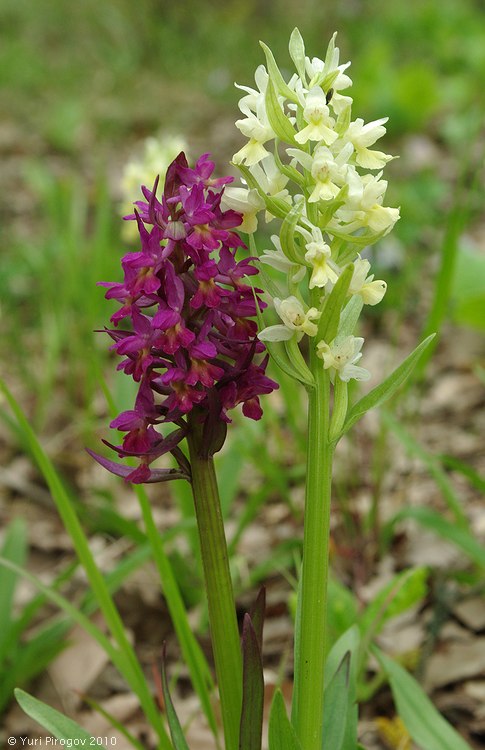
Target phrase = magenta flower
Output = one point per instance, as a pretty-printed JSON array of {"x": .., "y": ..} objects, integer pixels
[{"x": 192, "y": 342}]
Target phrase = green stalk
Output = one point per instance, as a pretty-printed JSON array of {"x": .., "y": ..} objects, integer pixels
[
  {"x": 220, "y": 598},
  {"x": 310, "y": 649}
]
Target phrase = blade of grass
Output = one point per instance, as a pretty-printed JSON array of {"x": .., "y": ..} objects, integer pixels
[
  {"x": 56, "y": 723},
  {"x": 114, "y": 722},
  {"x": 434, "y": 521},
  {"x": 95, "y": 578},
  {"x": 193, "y": 656},
  {"x": 14, "y": 549},
  {"x": 432, "y": 464}
]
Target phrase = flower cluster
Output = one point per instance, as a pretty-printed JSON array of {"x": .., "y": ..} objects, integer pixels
[
  {"x": 191, "y": 343},
  {"x": 323, "y": 179}
]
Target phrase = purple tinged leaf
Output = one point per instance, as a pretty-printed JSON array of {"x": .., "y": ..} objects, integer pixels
[
  {"x": 257, "y": 614},
  {"x": 251, "y": 726}
]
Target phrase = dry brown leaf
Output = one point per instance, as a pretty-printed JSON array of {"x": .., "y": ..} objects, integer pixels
[
  {"x": 75, "y": 669},
  {"x": 471, "y": 612},
  {"x": 454, "y": 662}
]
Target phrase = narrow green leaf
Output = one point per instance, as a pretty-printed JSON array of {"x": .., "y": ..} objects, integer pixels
[
  {"x": 349, "y": 643},
  {"x": 329, "y": 321},
  {"x": 401, "y": 593},
  {"x": 336, "y": 706},
  {"x": 115, "y": 723},
  {"x": 176, "y": 733},
  {"x": 114, "y": 654},
  {"x": 131, "y": 667},
  {"x": 446, "y": 273},
  {"x": 404, "y": 591},
  {"x": 193, "y": 656},
  {"x": 276, "y": 77},
  {"x": 387, "y": 388},
  {"x": 425, "y": 725},
  {"x": 251, "y": 726},
  {"x": 435, "y": 522},
  {"x": 455, "y": 464},
  {"x": 297, "y": 53},
  {"x": 27, "y": 660},
  {"x": 56, "y": 723},
  {"x": 281, "y": 734}
]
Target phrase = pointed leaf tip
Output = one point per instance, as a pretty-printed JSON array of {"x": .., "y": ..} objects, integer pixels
[
  {"x": 176, "y": 733},
  {"x": 251, "y": 725}
]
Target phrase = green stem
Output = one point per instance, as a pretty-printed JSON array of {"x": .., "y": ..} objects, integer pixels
[
  {"x": 220, "y": 597},
  {"x": 309, "y": 677}
]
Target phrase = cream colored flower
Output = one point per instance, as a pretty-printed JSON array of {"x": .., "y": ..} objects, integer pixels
[
  {"x": 318, "y": 255},
  {"x": 295, "y": 320},
  {"x": 317, "y": 114},
  {"x": 361, "y": 136},
  {"x": 341, "y": 357},
  {"x": 371, "y": 291}
]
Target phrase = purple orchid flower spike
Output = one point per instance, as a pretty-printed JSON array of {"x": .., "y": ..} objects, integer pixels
[{"x": 191, "y": 344}]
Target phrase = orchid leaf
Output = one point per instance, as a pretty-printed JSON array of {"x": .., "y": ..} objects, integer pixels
[
  {"x": 257, "y": 615},
  {"x": 56, "y": 723},
  {"x": 251, "y": 726},
  {"x": 281, "y": 734},
  {"x": 424, "y": 723},
  {"x": 387, "y": 388},
  {"x": 348, "y": 643},
  {"x": 329, "y": 321},
  {"x": 336, "y": 706}
]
